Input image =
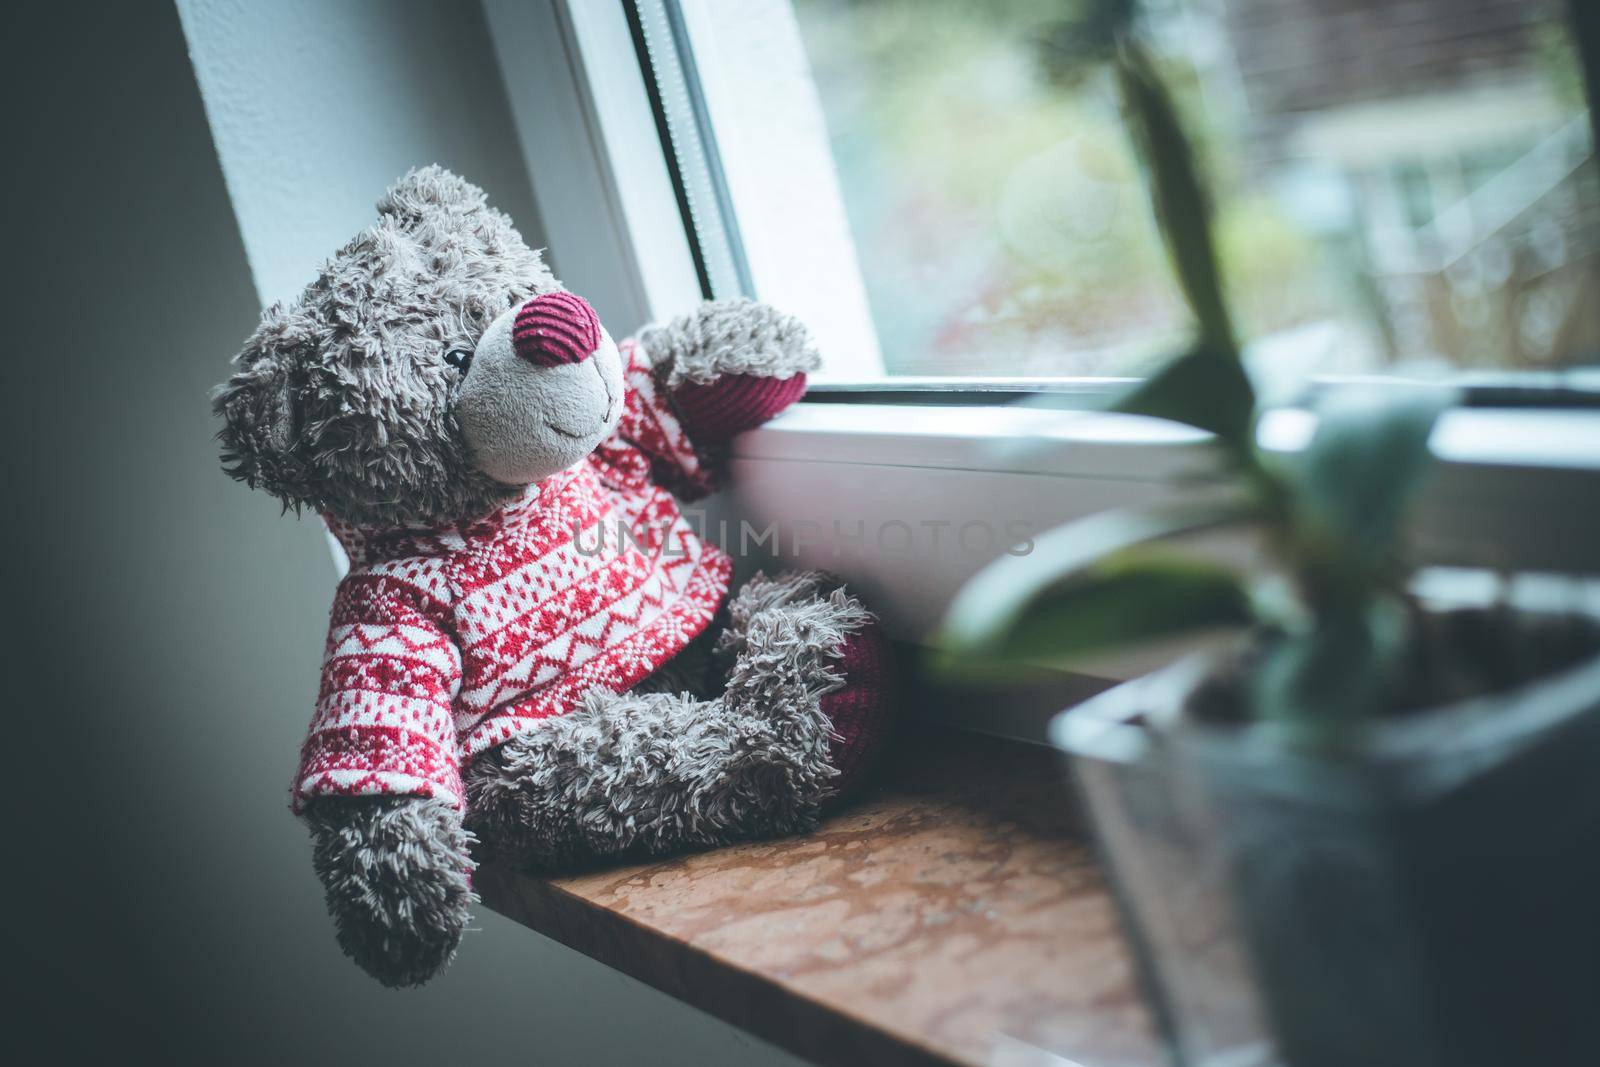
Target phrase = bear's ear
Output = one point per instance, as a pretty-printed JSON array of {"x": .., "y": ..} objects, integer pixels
[
  {"x": 429, "y": 190},
  {"x": 260, "y": 432}
]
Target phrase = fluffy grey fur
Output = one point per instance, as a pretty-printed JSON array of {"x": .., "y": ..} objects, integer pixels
[
  {"x": 343, "y": 401},
  {"x": 654, "y": 772},
  {"x": 397, "y": 873},
  {"x": 730, "y": 337}
]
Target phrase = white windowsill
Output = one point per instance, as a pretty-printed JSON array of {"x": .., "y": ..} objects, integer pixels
[
  {"x": 1515, "y": 489},
  {"x": 1099, "y": 444},
  {"x": 1017, "y": 439}
]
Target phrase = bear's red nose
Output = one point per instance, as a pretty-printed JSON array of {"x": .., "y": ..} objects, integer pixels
[{"x": 556, "y": 328}]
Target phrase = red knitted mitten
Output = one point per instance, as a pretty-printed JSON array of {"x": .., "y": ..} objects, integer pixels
[{"x": 714, "y": 412}]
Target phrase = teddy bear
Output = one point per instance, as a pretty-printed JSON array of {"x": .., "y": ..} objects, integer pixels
[{"x": 534, "y": 655}]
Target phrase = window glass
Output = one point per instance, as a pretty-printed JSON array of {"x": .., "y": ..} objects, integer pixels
[{"x": 1397, "y": 183}]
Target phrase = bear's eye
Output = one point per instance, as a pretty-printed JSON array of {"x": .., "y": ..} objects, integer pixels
[{"x": 459, "y": 358}]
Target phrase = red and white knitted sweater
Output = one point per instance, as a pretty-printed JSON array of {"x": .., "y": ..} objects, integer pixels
[{"x": 446, "y": 642}]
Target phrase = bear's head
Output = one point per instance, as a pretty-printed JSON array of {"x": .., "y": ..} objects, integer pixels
[{"x": 431, "y": 372}]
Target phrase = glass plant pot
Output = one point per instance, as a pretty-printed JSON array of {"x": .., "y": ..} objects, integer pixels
[
  {"x": 1166, "y": 863},
  {"x": 1431, "y": 897}
]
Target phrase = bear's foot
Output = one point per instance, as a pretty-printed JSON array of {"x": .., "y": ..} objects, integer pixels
[
  {"x": 797, "y": 634},
  {"x": 397, "y": 871},
  {"x": 860, "y": 710}
]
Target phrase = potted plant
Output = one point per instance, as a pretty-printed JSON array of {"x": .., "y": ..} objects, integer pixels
[{"x": 1401, "y": 805}]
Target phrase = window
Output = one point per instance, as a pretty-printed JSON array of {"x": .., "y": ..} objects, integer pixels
[
  {"x": 940, "y": 188},
  {"x": 763, "y": 146}
]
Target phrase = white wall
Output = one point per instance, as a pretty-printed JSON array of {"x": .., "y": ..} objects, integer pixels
[{"x": 316, "y": 106}]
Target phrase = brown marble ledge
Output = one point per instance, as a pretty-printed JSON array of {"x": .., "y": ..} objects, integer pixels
[{"x": 952, "y": 915}]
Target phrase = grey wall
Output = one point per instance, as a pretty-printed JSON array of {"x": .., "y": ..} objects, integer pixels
[
  {"x": 315, "y": 107},
  {"x": 163, "y": 629}
]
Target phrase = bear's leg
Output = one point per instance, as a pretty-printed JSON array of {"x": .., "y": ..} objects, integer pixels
[{"x": 651, "y": 772}]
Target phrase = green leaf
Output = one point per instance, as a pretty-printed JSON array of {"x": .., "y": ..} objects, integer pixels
[
  {"x": 1182, "y": 208},
  {"x": 1130, "y": 598},
  {"x": 1364, "y": 463},
  {"x": 989, "y": 607},
  {"x": 1204, "y": 388}
]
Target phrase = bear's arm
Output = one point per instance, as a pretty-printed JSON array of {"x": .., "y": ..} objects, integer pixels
[
  {"x": 729, "y": 366},
  {"x": 383, "y": 724}
]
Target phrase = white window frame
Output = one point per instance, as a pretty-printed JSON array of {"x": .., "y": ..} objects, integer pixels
[
  {"x": 605, "y": 197},
  {"x": 1518, "y": 489}
]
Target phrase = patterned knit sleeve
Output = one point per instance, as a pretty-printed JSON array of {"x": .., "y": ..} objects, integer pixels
[
  {"x": 650, "y": 425},
  {"x": 383, "y": 724}
]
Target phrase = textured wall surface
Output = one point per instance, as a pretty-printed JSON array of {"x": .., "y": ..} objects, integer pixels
[
  {"x": 163, "y": 626},
  {"x": 316, "y": 107}
]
